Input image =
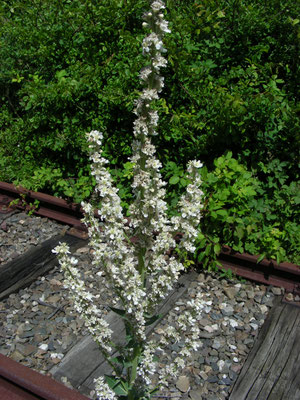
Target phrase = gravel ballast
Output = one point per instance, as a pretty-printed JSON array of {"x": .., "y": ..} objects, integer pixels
[{"x": 38, "y": 325}]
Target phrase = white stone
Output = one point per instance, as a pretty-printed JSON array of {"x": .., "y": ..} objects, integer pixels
[
  {"x": 264, "y": 309},
  {"x": 57, "y": 355},
  {"x": 221, "y": 364},
  {"x": 233, "y": 323}
]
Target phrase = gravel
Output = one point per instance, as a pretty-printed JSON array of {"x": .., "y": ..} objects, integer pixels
[{"x": 38, "y": 324}]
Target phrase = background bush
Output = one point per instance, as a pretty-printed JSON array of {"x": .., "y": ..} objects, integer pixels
[{"x": 232, "y": 85}]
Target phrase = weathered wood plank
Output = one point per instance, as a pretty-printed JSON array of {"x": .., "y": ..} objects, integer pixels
[
  {"x": 84, "y": 362},
  {"x": 24, "y": 269},
  {"x": 271, "y": 370}
]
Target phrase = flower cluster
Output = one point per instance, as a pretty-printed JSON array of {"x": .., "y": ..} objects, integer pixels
[
  {"x": 104, "y": 389},
  {"x": 185, "y": 329},
  {"x": 140, "y": 272},
  {"x": 83, "y": 300}
]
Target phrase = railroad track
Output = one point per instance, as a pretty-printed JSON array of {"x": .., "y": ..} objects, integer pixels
[
  {"x": 267, "y": 272},
  {"x": 22, "y": 271}
]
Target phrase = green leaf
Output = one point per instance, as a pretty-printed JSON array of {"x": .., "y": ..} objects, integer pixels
[
  {"x": 118, "y": 360},
  {"x": 60, "y": 74},
  {"x": 120, "y": 390},
  {"x": 240, "y": 232},
  {"x": 174, "y": 180},
  {"x": 152, "y": 319},
  {"x": 217, "y": 248},
  {"x": 111, "y": 381},
  {"x": 135, "y": 361},
  {"x": 201, "y": 256},
  {"x": 260, "y": 258},
  {"x": 118, "y": 386},
  {"x": 184, "y": 182},
  {"x": 118, "y": 311},
  {"x": 223, "y": 213}
]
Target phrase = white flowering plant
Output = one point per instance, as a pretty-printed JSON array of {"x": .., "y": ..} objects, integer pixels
[{"x": 142, "y": 272}]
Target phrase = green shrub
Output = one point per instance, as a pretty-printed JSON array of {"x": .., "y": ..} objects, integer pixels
[
  {"x": 248, "y": 215},
  {"x": 232, "y": 84}
]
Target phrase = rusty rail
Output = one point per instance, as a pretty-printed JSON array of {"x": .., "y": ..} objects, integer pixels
[
  {"x": 268, "y": 272},
  {"x": 50, "y": 206},
  {"x": 18, "y": 382}
]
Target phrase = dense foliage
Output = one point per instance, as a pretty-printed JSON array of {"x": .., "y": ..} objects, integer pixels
[{"x": 232, "y": 84}]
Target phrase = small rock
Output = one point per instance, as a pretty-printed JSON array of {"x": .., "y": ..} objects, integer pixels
[
  {"x": 250, "y": 295},
  {"x": 221, "y": 364},
  {"x": 204, "y": 322},
  {"x": 201, "y": 278},
  {"x": 236, "y": 368},
  {"x": 203, "y": 375},
  {"x": 230, "y": 293},
  {"x": 55, "y": 360},
  {"x": 183, "y": 384},
  {"x": 233, "y": 323},
  {"x": 196, "y": 394},
  {"x": 227, "y": 310},
  {"x": 4, "y": 352},
  {"x": 254, "y": 326},
  {"x": 289, "y": 297},
  {"x": 215, "y": 367},
  {"x": 82, "y": 250},
  {"x": 28, "y": 349},
  {"x": 216, "y": 344},
  {"x": 16, "y": 356},
  {"x": 226, "y": 381},
  {"x": 263, "y": 308},
  {"x": 4, "y": 227},
  {"x": 209, "y": 329},
  {"x": 212, "y": 379},
  {"x": 276, "y": 291},
  {"x": 201, "y": 360},
  {"x": 55, "y": 282}
]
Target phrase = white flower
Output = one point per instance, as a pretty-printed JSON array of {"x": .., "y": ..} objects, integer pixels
[
  {"x": 138, "y": 272},
  {"x": 95, "y": 136},
  {"x": 145, "y": 73},
  {"x": 163, "y": 26},
  {"x": 61, "y": 248},
  {"x": 157, "y": 5},
  {"x": 103, "y": 391}
]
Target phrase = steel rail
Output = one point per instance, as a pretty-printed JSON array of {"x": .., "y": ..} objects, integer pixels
[{"x": 18, "y": 382}]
